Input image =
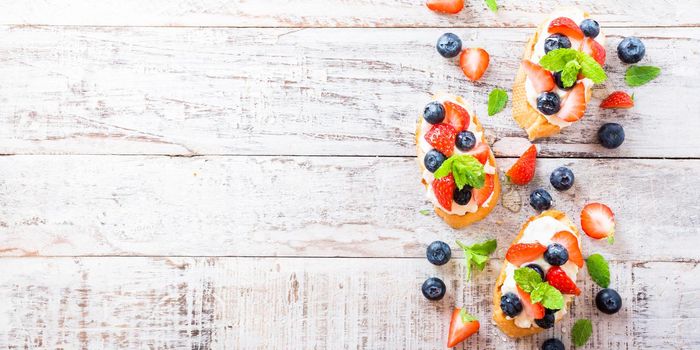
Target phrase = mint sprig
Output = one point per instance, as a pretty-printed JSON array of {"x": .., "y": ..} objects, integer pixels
[
  {"x": 640, "y": 75},
  {"x": 497, "y": 101},
  {"x": 570, "y": 62},
  {"x": 477, "y": 254},
  {"x": 466, "y": 170},
  {"x": 540, "y": 291},
  {"x": 599, "y": 270},
  {"x": 492, "y": 5},
  {"x": 581, "y": 332}
]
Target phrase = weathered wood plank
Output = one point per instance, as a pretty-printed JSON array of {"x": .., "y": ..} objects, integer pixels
[
  {"x": 309, "y": 206},
  {"x": 334, "y": 13},
  {"x": 308, "y": 92},
  {"x": 284, "y": 303}
]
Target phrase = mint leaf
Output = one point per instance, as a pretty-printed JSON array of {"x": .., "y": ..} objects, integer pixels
[
  {"x": 640, "y": 75},
  {"x": 466, "y": 170},
  {"x": 611, "y": 238},
  {"x": 570, "y": 72},
  {"x": 591, "y": 69},
  {"x": 581, "y": 332},
  {"x": 444, "y": 169},
  {"x": 478, "y": 254},
  {"x": 425, "y": 212},
  {"x": 466, "y": 317},
  {"x": 484, "y": 248},
  {"x": 527, "y": 279},
  {"x": 492, "y": 5},
  {"x": 599, "y": 270},
  {"x": 549, "y": 296},
  {"x": 497, "y": 101},
  {"x": 556, "y": 60}
]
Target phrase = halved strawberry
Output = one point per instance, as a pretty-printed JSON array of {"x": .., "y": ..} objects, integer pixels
[
  {"x": 444, "y": 189},
  {"x": 542, "y": 79},
  {"x": 574, "y": 106},
  {"x": 445, "y": 6},
  {"x": 522, "y": 172},
  {"x": 481, "y": 195},
  {"x": 558, "y": 279},
  {"x": 566, "y": 26},
  {"x": 459, "y": 330},
  {"x": 456, "y": 116},
  {"x": 481, "y": 152},
  {"x": 570, "y": 242},
  {"x": 597, "y": 220},
  {"x": 617, "y": 99},
  {"x": 521, "y": 253},
  {"x": 594, "y": 49},
  {"x": 535, "y": 311},
  {"x": 442, "y": 138},
  {"x": 474, "y": 62}
]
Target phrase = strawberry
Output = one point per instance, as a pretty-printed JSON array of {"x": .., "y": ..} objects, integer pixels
[
  {"x": 456, "y": 116},
  {"x": 566, "y": 26},
  {"x": 444, "y": 189},
  {"x": 570, "y": 242},
  {"x": 574, "y": 105},
  {"x": 522, "y": 172},
  {"x": 594, "y": 49},
  {"x": 474, "y": 62},
  {"x": 542, "y": 80},
  {"x": 535, "y": 311},
  {"x": 481, "y": 152},
  {"x": 460, "y": 331},
  {"x": 442, "y": 138},
  {"x": 521, "y": 253},
  {"x": 483, "y": 194},
  {"x": 558, "y": 279},
  {"x": 597, "y": 220},
  {"x": 617, "y": 99},
  {"x": 445, "y": 6}
]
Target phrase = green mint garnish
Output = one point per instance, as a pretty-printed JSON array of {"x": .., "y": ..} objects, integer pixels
[
  {"x": 465, "y": 169},
  {"x": 640, "y": 75},
  {"x": 425, "y": 211},
  {"x": 540, "y": 291},
  {"x": 571, "y": 62},
  {"x": 497, "y": 101},
  {"x": 581, "y": 332},
  {"x": 599, "y": 270},
  {"x": 492, "y": 5},
  {"x": 477, "y": 254}
]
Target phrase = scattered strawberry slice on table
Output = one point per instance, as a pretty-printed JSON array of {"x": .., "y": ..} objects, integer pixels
[
  {"x": 442, "y": 138},
  {"x": 566, "y": 26},
  {"x": 618, "y": 99},
  {"x": 522, "y": 172},
  {"x": 456, "y": 116},
  {"x": 570, "y": 242},
  {"x": 444, "y": 190},
  {"x": 598, "y": 221},
  {"x": 542, "y": 80},
  {"x": 594, "y": 49},
  {"x": 535, "y": 311},
  {"x": 481, "y": 152},
  {"x": 521, "y": 253},
  {"x": 558, "y": 279},
  {"x": 445, "y": 6},
  {"x": 474, "y": 62},
  {"x": 462, "y": 326},
  {"x": 574, "y": 105},
  {"x": 481, "y": 195}
]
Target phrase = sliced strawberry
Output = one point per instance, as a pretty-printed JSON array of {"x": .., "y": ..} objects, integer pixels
[
  {"x": 597, "y": 220},
  {"x": 574, "y": 106},
  {"x": 522, "y": 172},
  {"x": 442, "y": 138},
  {"x": 460, "y": 331},
  {"x": 445, "y": 6},
  {"x": 481, "y": 152},
  {"x": 570, "y": 242},
  {"x": 535, "y": 311},
  {"x": 444, "y": 189},
  {"x": 566, "y": 26},
  {"x": 474, "y": 62},
  {"x": 594, "y": 49},
  {"x": 558, "y": 279},
  {"x": 541, "y": 78},
  {"x": 521, "y": 253},
  {"x": 481, "y": 195},
  {"x": 617, "y": 99},
  {"x": 456, "y": 116}
]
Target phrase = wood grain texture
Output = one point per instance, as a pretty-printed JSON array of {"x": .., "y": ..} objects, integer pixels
[
  {"x": 302, "y": 92},
  {"x": 310, "y": 206},
  {"x": 284, "y": 303},
  {"x": 334, "y": 13}
]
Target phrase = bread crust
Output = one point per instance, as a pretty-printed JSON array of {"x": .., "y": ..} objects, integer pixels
[
  {"x": 461, "y": 221},
  {"x": 508, "y": 326}
]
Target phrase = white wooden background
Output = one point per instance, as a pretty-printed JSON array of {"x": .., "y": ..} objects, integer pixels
[{"x": 195, "y": 174}]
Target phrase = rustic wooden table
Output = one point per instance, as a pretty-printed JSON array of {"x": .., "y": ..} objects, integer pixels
[{"x": 241, "y": 174}]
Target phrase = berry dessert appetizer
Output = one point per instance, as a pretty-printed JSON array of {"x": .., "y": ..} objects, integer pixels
[
  {"x": 538, "y": 279},
  {"x": 458, "y": 166},
  {"x": 561, "y": 63}
]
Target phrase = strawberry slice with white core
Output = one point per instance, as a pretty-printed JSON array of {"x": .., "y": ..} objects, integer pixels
[
  {"x": 456, "y": 116},
  {"x": 594, "y": 49},
  {"x": 535, "y": 311},
  {"x": 481, "y": 152},
  {"x": 598, "y": 221},
  {"x": 574, "y": 106},
  {"x": 474, "y": 62},
  {"x": 481, "y": 195},
  {"x": 570, "y": 242},
  {"x": 541, "y": 79},
  {"x": 444, "y": 188},
  {"x": 566, "y": 26},
  {"x": 521, "y": 253}
]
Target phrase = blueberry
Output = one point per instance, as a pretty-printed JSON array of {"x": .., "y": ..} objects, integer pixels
[
  {"x": 540, "y": 199},
  {"x": 556, "y": 254},
  {"x": 511, "y": 305},
  {"x": 465, "y": 140},
  {"x": 537, "y": 268},
  {"x": 449, "y": 45},
  {"x": 433, "y": 159},
  {"x": 548, "y": 103},
  {"x": 590, "y": 28},
  {"x": 560, "y": 84},
  {"x": 631, "y": 50},
  {"x": 562, "y": 178},
  {"x": 462, "y": 196},
  {"x": 438, "y": 253},
  {"x": 433, "y": 288},
  {"x": 608, "y": 301},
  {"x": 611, "y": 135},
  {"x": 553, "y": 344},
  {"x": 434, "y": 112},
  {"x": 548, "y": 320},
  {"x": 556, "y": 41}
]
